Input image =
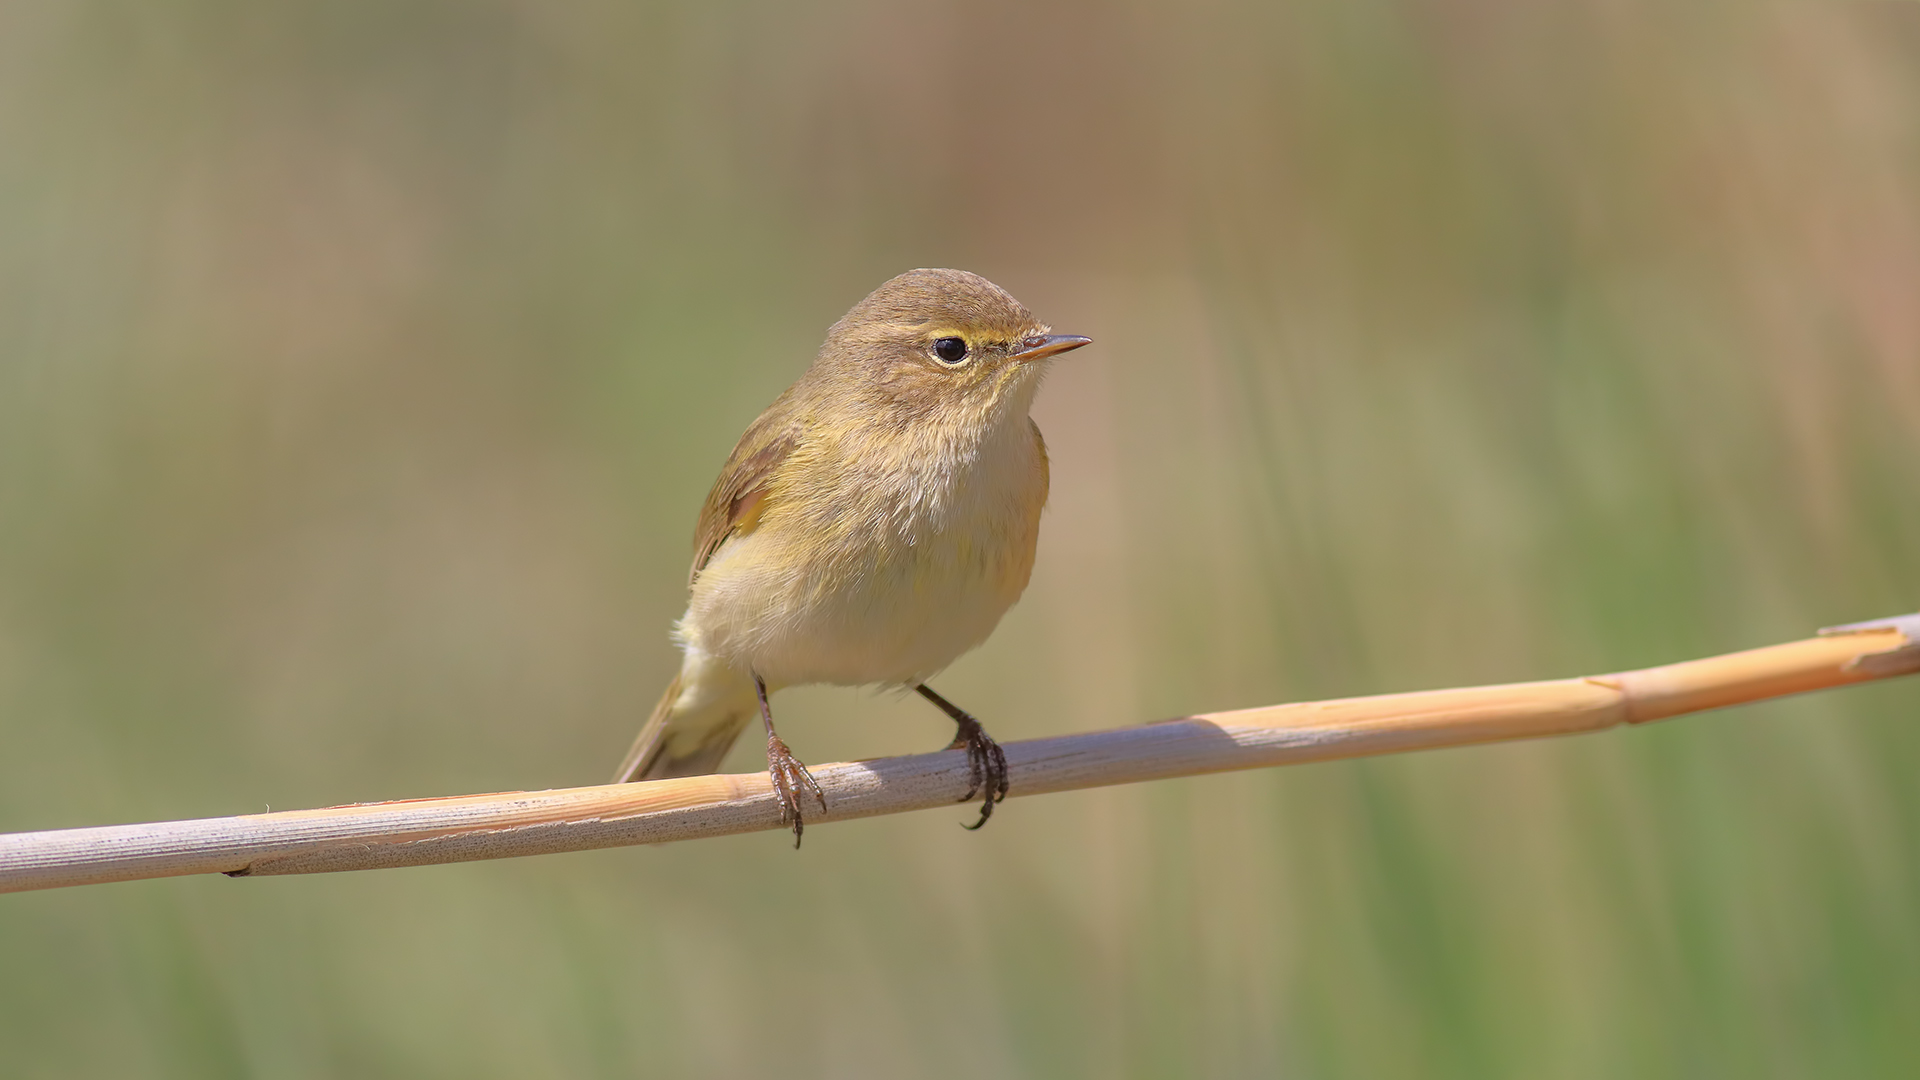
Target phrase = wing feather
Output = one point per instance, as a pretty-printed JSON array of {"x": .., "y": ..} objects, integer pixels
[{"x": 743, "y": 483}]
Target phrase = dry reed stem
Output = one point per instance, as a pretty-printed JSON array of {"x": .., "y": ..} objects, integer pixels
[{"x": 422, "y": 831}]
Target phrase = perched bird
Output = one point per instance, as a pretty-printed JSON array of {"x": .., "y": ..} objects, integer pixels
[{"x": 872, "y": 525}]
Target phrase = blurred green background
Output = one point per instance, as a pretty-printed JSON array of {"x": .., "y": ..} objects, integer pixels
[{"x": 362, "y": 367}]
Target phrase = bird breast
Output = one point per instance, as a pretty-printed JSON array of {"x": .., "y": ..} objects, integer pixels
[{"x": 875, "y": 559}]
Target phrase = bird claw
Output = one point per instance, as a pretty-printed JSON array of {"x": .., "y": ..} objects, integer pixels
[
  {"x": 790, "y": 777},
  {"x": 986, "y": 768}
]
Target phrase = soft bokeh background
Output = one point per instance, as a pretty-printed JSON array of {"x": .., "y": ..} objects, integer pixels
[{"x": 362, "y": 366}]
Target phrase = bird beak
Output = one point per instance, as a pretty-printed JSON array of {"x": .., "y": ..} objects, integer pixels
[{"x": 1041, "y": 346}]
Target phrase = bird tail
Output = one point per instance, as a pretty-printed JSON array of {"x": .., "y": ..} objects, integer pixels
[{"x": 703, "y": 712}]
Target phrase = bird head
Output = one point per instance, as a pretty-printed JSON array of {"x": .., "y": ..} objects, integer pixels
[{"x": 939, "y": 345}]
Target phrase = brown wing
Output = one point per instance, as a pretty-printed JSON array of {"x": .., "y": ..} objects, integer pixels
[{"x": 743, "y": 482}]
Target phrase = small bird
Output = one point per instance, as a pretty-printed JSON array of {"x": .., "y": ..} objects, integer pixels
[{"x": 873, "y": 524}]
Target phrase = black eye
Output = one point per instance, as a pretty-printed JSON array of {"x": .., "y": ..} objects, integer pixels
[{"x": 950, "y": 350}]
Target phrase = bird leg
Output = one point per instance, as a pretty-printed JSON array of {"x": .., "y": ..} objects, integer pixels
[
  {"x": 986, "y": 762},
  {"x": 788, "y": 775}
]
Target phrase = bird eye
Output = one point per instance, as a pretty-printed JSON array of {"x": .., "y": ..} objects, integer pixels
[{"x": 950, "y": 350}]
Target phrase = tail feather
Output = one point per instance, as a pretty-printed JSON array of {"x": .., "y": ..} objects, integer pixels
[{"x": 689, "y": 733}]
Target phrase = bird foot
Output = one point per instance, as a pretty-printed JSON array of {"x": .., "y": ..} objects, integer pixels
[
  {"x": 986, "y": 766},
  {"x": 790, "y": 778}
]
